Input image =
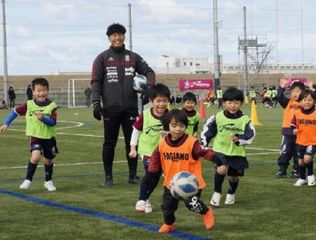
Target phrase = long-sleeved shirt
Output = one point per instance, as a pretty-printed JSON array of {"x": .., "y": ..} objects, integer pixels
[
  {"x": 112, "y": 78},
  {"x": 210, "y": 130}
]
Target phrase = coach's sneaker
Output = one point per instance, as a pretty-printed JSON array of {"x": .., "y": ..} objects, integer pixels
[
  {"x": 293, "y": 174},
  {"x": 230, "y": 199},
  {"x": 140, "y": 206},
  {"x": 300, "y": 182},
  {"x": 311, "y": 180},
  {"x": 208, "y": 219},
  {"x": 280, "y": 173},
  {"x": 165, "y": 228},
  {"x": 26, "y": 184},
  {"x": 148, "y": 207},
  {"x": 215, "y": 200},
  {"x": 108, "y": 182},
  {"x": 133, "y": 180},
  {"x": 49, "y": 185}
]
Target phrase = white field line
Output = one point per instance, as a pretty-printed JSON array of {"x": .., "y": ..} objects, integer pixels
[{"x": 61, "y": 165}]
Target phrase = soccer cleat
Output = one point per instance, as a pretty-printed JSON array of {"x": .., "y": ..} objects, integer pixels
[
  {"x": 215, "y": 200},
  {"x": 165, "y": 228},
  {"x": 230, "y": 199},
  {"x": 148, "y": 207},
  {"x": 108, "y": 182},
  {"x": 209, "y": 219},
  {"x": 134, "y": 180},
  {"x": 140, "y": 206},
  {"x": 26, "y": 184},
  {"x": 49, "y": 185},
  {"x": 300, "y": 182},
  {"x": 311, "y": 180}
]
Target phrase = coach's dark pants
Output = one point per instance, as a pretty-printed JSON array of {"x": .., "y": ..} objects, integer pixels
[
  {"x": 112, "y": 122},
  {"x": 288, "y": 150}
]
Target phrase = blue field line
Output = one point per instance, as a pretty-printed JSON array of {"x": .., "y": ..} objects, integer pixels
[{"x": 105, "y": 216}]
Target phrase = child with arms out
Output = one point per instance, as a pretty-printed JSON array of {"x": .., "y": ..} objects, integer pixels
[
  {"x": 178, "y": 143},
  {"x": 41, "y": 116},
  {"x": 231, "y": 130},
  {"x": 146, "y": 135}
]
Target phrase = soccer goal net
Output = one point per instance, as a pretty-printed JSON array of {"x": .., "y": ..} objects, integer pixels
[{"x": 76, "y": 92}]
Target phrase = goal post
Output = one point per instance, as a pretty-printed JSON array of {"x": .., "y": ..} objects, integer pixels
[{"x": 75, "y": 92}]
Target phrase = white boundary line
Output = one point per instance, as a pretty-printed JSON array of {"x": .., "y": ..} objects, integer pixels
[{"x": 61, "y": 165}]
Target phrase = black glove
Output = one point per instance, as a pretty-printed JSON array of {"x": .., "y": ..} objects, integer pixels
[
  {"x": 145, "y": 96},
  {"x": 97, "y": 111}
]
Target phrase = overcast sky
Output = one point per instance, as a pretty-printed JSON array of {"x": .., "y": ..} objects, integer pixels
[{"x": 46, "y": 36}]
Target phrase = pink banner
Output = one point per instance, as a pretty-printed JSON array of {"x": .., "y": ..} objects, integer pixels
[{"x": 194, "y": 84}]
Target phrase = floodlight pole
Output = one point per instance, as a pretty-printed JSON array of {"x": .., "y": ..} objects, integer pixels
[
  {"x": 5, "y": 58},
  {"x": 130, "y": 26},
  {"x": 216, "y": 49},
  {"x": 245, "y": 50}
]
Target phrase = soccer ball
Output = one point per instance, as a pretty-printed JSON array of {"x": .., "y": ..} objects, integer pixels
[
  {"x": 184, "y": 185},
  {"x": 139, "y": 83}
]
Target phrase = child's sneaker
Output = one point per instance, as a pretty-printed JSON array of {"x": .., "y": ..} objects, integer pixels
[
  {"x": 140, "y": 206},
  {"x": 230, "y": 199},
  {"x": 148, "y": 207},
  {"x": 26, "y": 184},
  {"x": 311, "y": 180},
  {"x": 215, "y": 200},
  {"x": 209, "y": 219},
  {"x": 165, "y": 228},
  {"x": 49, "y": 185},
  {"x": 300, "y": 182}
]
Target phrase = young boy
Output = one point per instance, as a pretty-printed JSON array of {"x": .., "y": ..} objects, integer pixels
[
  {"x": 232, "y": 130},
  {"x": 291, "y": 106},
  {"x": 41, "y": 116},
  {"x": 188, "y": 106},
  {"x": 304, "y": 127},
  {"x": 146, "y": 134},
  {"x": 176, "y": 144}
]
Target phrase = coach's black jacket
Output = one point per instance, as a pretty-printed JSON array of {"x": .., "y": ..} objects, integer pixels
[{"x": 112, "y": 78}]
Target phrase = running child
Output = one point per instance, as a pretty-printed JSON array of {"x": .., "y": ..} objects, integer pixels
[
  {"x": 146, "y": 135},
  {"x": 41, "y": 117},
  {"x": 231, "y": 130},
  {"x": 178, "y": 143},
  {"x": 304, "y": 127}
]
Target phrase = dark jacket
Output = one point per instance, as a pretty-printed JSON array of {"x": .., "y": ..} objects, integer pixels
[{"x": 112, "y": 78}]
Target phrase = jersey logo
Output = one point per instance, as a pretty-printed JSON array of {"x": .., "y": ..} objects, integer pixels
[
  {"x": 230, "y": 127},
  {"x": 176, "y": 156},
  {"x": 154, "y": 128}
]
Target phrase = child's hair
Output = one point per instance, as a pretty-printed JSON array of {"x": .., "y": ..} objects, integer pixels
[
  {"x": 233, "y": 94},
  {"x": 189, "y": 96},
  {"x": 176, "y": 114},
  {"x": 309, "y": 93},
  {"x": 40, "y": 81},
  {"x": 159, "y": 90},
  {"x": 299, "y": 85},
  {"x": 115, "y": 28}
]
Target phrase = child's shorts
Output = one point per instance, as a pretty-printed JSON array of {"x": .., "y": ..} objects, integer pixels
[
  {"x": 146, "y": 160},
  {"x": 305, "y": 150},
  {"x": 48, "y": 147},
  {"x": 236, "y": 164}
]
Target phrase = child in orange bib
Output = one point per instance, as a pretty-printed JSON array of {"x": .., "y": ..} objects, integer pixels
[
  {"x": 304, "y": 127},
  {"x": 178, "y": 143}
]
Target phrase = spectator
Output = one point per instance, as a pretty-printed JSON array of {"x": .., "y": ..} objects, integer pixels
[
  {"x": 12, "y": 97},
  {"x": 87, "y": 93}
]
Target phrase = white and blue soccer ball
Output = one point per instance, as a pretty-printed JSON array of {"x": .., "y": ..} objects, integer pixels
[
  {"x": 184, "y": 185},
  {"x": 139, "y": 83}
]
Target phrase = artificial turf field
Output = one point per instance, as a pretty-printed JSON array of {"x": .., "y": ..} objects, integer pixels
[{"x": 266, "y": 207}]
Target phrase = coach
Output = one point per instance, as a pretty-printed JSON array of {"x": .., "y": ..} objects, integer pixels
[{"x": 112, "y": 84}]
